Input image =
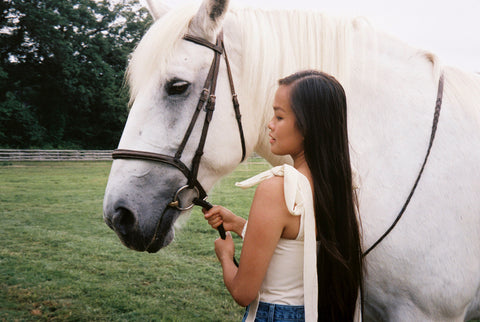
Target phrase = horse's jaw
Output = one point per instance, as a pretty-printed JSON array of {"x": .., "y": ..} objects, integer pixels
[{"x": 136, "y": 202}]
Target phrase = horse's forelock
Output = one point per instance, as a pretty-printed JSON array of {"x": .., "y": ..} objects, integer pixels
[{"x": 157, "y": 46}]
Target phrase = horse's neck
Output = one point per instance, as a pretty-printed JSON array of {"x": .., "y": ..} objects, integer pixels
[
  {"x": 265, "y": 46},
  {"x": 391, "y": 95}
]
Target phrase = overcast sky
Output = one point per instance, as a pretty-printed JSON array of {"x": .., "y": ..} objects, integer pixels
[{"x": 448, "y": 28}]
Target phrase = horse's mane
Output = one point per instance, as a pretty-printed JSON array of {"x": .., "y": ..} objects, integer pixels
[{"x": 275, "y": 43}]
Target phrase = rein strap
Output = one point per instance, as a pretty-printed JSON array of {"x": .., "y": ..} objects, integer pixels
[{"x": 436, "y": 117}]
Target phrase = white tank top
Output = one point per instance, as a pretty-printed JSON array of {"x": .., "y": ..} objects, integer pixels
[
  {"x": 291, "y": 277},
  {"x": 283, "y": 282}
]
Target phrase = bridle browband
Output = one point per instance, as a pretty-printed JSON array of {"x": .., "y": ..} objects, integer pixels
[{"x": 207, "y": 99}]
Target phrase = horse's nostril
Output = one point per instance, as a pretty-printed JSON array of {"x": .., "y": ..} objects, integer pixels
[{"x": 124, "y": 220}]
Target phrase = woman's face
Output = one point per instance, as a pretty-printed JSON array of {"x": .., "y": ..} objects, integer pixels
[{"x": 285, "y": 137}]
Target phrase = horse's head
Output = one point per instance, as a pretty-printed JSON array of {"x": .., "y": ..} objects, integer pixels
[{"x": 167, "y": 75}]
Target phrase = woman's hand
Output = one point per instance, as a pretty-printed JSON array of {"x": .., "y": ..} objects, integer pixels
[
  {"x": 218, "y": 215},
  {"x": 225, "y": 248}
]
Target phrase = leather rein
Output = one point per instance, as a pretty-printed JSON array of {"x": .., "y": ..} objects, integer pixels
[
  {"x": 436, "y": 116},
  {"x": 207, "y": 103}
]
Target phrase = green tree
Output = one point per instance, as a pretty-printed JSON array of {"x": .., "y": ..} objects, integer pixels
[{"x": 62, "y": 71}]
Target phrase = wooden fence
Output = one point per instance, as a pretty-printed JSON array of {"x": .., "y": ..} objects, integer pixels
[
  {"x": 73, "y": 155},
  {"x": 55, "y": 155}
]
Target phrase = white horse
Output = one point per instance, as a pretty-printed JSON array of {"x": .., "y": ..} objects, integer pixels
[{"x": 428, "y": 267}]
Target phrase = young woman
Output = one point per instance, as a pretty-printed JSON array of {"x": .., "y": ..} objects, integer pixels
[{"x": 301, "y": 256}]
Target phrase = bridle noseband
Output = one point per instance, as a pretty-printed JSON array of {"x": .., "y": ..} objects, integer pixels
[{"x": 207, "y": 99}]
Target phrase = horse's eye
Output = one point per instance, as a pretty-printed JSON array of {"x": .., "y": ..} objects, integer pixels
[{"x": 177, "y": 87}]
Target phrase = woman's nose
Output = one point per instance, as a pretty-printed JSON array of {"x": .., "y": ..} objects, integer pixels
[{"x": 270, "y": 125}]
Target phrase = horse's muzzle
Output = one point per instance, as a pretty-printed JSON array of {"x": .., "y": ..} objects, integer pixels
[{"x": 138, "y": 234}]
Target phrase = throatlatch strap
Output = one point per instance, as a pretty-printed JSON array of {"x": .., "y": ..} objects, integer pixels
[{"x": 236, "y": 104}]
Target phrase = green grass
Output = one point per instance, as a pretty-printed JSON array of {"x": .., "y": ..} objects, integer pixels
[{"x": 59, "y": 261}]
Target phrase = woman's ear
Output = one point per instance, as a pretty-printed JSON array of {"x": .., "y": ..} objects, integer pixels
[{"x": 209, "y": 19}]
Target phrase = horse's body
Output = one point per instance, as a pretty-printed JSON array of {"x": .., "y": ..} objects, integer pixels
[{"x": 428, "y": 268}]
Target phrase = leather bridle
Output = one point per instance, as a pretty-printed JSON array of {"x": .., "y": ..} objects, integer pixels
[{"x": 207, "y": 99}]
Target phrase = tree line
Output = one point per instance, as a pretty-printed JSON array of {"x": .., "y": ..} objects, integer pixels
[{"x": 62, "y": 65}]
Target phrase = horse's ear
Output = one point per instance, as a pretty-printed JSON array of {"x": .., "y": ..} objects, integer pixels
[
  {"x": 209, "y": 18},
  {"x": 156, "y": 9}
]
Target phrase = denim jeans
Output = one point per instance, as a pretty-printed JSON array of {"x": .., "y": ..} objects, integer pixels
[{"x": 268, "y": 312}]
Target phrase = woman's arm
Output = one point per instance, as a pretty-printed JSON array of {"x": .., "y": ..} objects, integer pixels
[{"x": 267, "y": 220}]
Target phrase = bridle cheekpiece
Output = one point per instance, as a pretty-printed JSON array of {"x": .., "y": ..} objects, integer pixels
[{"x": 206, "y": 102}]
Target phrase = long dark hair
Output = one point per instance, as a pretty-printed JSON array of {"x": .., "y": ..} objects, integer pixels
[{"x": 319, "y": 104}]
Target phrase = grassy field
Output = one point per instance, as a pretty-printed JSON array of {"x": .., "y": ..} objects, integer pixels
[{"x": 59, "y": 261}]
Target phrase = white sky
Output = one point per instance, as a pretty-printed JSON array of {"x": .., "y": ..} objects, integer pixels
[{"x": 448, "y": 28}]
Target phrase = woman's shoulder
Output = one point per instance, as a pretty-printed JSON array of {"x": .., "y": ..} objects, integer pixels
[
  {"x": 271, "y": 186},
  {"x": 270, "y": 204},
  {"x": 274, "y": 185},
  {"x": 269, "y": 194}
]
